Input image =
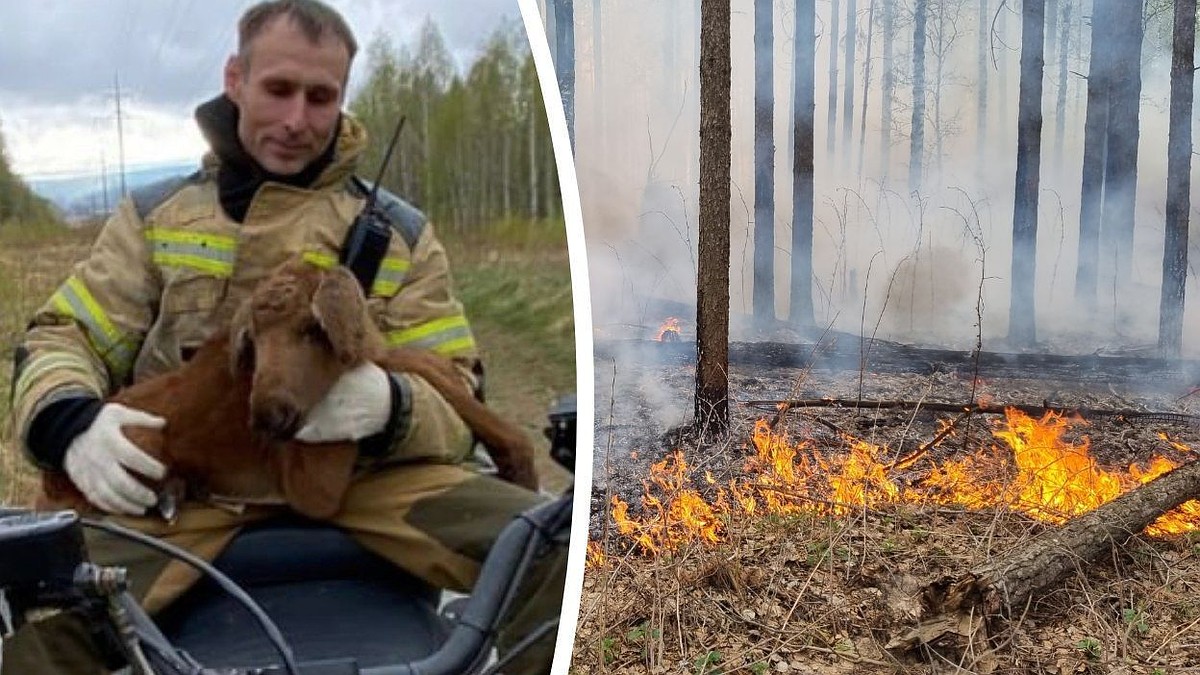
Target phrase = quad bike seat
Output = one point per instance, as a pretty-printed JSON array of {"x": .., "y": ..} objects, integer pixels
[{"x": 332, "y": 598}]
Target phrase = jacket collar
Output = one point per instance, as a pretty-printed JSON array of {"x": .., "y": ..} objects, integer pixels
[{"x": 217, "y": 119}]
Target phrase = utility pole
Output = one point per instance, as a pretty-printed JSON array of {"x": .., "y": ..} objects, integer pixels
[
  {"x": 120, "y": 133},
  {"x": 104, "y": 181}
]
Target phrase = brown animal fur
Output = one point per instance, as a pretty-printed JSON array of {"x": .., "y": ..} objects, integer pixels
[{"x": 232, "y": 407}]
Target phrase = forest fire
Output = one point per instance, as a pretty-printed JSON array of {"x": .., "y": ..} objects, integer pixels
[
  {"x": 1030, "y": 467},
  {"x": 668, "y": 331}
]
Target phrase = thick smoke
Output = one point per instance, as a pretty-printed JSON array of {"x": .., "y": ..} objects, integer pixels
[{"x": 927, "y": 267}]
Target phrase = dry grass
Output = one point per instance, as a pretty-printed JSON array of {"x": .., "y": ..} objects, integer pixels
[
  {"x": 518, "y": 299},
  {"x": 33, "y": 262}
]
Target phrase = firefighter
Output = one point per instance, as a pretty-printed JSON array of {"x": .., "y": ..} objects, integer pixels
[{"x": 172, "y": 263}]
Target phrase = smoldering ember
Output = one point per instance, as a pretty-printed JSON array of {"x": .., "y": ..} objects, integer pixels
[{"x": 896, "y": 334}]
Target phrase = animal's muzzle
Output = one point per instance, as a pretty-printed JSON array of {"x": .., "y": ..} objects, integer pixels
[{"x": 277, "y": 418}]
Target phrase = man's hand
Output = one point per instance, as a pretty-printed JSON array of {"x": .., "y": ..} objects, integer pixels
[
  {"x": 358, "y": 405},
  {"x": 100, "y": 460}
]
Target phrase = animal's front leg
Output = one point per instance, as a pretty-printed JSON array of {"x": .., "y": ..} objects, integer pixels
[
  {"x": 172, "y": 489},
  {"x": 314, "y": 476}
]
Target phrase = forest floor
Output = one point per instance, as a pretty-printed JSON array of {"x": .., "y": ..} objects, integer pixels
[{"x": 821, "y": 585}]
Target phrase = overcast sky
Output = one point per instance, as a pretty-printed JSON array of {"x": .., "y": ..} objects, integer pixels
[{"x": 58, "y": 59}]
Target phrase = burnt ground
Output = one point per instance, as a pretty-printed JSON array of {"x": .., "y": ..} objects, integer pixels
[
  {"x": 819, "y": 593},
  {"x": 643, "y": 392}
]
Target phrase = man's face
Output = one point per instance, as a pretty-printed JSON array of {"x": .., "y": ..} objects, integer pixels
[{"x": 289, "y": 95}]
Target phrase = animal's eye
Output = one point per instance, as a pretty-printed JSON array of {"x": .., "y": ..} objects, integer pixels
[
  {"x": 313, "y": 332},
  {"x": 246, "y": 357}
]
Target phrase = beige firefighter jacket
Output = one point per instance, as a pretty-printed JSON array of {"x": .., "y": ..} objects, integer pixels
[{"x": 169, "y": 266}]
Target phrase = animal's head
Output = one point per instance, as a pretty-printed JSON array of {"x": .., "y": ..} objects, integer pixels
[{"x": 297, "y": 333}]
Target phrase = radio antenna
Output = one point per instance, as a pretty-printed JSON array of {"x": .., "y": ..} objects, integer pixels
[{"x": 387, "y": 156}]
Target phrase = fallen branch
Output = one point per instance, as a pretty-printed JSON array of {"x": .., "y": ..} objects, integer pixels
[
  {"x": 911, "y": 458},
  {"x": 977, "y": 408},
  {"x": 999, "y": 585},
  {"x": 838, "y": 431}
]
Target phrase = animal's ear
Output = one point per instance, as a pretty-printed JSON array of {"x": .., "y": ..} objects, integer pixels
[
  {"x": 314, "y": 477},
  {"x": 241, "y": 345},
  {"x": 341, "y": 310}
]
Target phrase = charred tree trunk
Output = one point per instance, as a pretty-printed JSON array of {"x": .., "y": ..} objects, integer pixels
[
  {"x": 887, "y": 89},
  {"x": 981, "y": 92},
  {"x": 1120, "y": 167},
  {"x": 866, "y": 88},
  {"x": 1001, "y": 105},
  {"x": 1060, "y": 108},
  {"x": 1179, "y": 179},
  {"x": 940, "y": 46},
  {"x": 712, "y": 285},
  {"x": 564, "y": 61},
  {"x": 917, "y": 137},
  {"x": 1021, "y": 313},
  {"x": 848, "y": 95},
  {"x": 804, "y": 92},
  {"x": 831, "y": 119},
  {"x": 1052, "y": 29},
  {"x": 1000, "y": 587},
  {"x": 1095, "y": 147},
  {"x": 764, "y": 161}
]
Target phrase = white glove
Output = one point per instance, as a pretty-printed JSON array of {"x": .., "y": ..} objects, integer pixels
[
  {"x": 358, "y": 405},
  {"x": 99, "y": 461}
]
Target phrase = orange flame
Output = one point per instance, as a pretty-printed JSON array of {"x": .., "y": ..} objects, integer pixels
[
  {"x": 670, "y": 325},
  {"x": 595, "y": 555},
  {"x": 684, "y": 516},
  {"x": 1056, "y": 479},
  {"x": 1033, "y": 468},
  {"x": 1174, "y": 443}
]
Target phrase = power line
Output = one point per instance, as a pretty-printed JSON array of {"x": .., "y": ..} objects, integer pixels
[{"x": 173, "y": 19}]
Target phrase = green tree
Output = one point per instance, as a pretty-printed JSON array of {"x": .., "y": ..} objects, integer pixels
[
  {"x": 434, "y": 71},
  {"x": 18, "y": 204},
  {"x": 476, "y": 146}
]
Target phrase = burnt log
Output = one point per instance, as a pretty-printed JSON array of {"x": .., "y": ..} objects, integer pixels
[
  {"x": 881, "y": 356},
  {"x": 998, "y": 588}
]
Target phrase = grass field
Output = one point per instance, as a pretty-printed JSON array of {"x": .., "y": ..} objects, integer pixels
[
  {"x": 516, "y": 287},
  {"x": 33, "y": 261},
  {"x": 517, "y": 292}
]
